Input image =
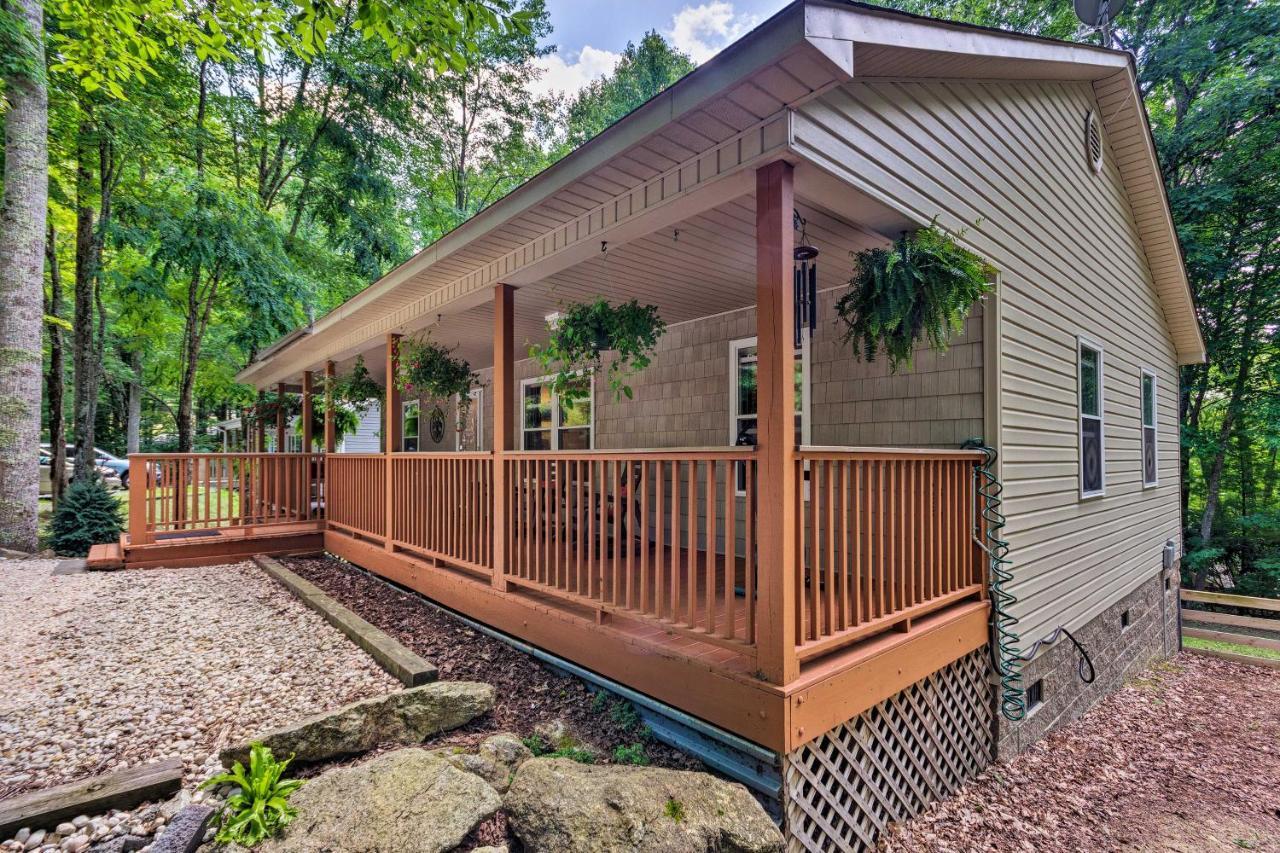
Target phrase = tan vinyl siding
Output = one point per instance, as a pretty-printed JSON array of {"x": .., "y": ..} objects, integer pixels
[{"x": 1006, "y": 161}]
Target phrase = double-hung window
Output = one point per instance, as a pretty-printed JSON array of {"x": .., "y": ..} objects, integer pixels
[
  {"x": 1150, "y": 469},
  {"x": 550, "y": 423},
  {"x": 744, "y": 363},
  {"x": 409, "y": 426},
  {"x": 1092, "y": 451}
]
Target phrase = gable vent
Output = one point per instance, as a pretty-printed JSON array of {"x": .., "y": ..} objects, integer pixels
[{"x": 1093, "y": 141}]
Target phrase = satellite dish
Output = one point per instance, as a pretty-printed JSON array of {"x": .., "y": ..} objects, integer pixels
[{"x": 1098, "y": 15}]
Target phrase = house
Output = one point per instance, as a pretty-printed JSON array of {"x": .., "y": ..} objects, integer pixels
[{"x": 817, "y": 601}]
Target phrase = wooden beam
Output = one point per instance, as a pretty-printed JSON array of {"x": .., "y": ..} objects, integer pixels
[
  {"x": 280, "y": 421},
  {"x": 1229, "y": 600},
  {"x": 503, "y": 421},
  {"x": 391, "y": 431},
  {"x": 308, "y": 380},
  {"x": 775, "y": 430},
  {"x": 330, "y": 428},
  {"x": 260, "y": 429},
  {"x": 122, "y": 789}
]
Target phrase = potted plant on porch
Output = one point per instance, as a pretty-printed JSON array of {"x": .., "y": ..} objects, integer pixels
[
  {"x": 581, "y": 335},
  {"x": 432, "y": 370}
]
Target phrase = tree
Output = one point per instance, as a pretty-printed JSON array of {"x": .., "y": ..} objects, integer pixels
[
  {"x": 22, "y": 244},
  {"x": 643, "y": 71}
]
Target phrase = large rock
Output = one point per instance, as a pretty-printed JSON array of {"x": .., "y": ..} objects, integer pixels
[
  {"x": 405, "y": 717},
  {"x": 496, "y": 761},
  {"x": 558, "y": 804},
  {"x": 406, "y": 801}
]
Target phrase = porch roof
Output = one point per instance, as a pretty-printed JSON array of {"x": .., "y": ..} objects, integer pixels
[{"x": 689, "y": 153}]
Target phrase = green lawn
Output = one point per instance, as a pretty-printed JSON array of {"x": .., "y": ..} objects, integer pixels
[{"x": 1233, "y": 648}]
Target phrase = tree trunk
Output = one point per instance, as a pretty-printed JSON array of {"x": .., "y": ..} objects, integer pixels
[
  {"x": 193, "y": 328},
  {"x": 133, "y": 428},
  {"x": 22, "y": 239},
  {"x": 84, "y": 347},
  {"x": 54, "y": 384}
]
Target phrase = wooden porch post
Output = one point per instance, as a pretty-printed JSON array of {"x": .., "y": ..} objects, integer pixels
[
  {"x": 330, "y": 430},
  {"x": 503, "y": 411},
  {"x": 259, "y": 428},
  {"x": 280, "y": 421},
  {"x": 776, "y": 517},
  {"x": 391, "y": 429},
  {"x": 308, "y": 381}
]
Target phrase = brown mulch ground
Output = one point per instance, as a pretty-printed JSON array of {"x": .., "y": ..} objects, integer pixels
[
  {"x": 528, "y": 693},
  {"x": 1185, "y": 757}
]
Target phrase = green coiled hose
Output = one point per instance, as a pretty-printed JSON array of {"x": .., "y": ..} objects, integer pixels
[{"x": 1008, "y": 661}]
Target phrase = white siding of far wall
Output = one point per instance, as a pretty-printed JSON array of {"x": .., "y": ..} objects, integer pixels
[
  {"x": 366, "y": 438},
  {"x": 1006, "y": 162}
]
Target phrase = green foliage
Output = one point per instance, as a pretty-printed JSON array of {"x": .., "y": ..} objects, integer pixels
[
  {"x": 674, "y": 809},
  {"x": 567, "y": 748},
  {"x": 357, "y": 388},
  {"x": 430, "y": 369},
  {"x": 920, "y": 289},
  {"x": 345, "y": 422},
  {"x": 633, "y": 754},
  {"x": 261, "y": 808},
  {"x": 87, "y": 515},
  {"x": 585, "y": 331}
]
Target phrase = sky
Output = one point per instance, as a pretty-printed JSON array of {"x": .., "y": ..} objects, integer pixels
[{"x": 589, "y": 36}]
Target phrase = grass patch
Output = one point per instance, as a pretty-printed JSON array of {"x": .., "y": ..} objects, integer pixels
[
  {"x": 1233, "y": 648},
  {"x": 674, "y": 809}
]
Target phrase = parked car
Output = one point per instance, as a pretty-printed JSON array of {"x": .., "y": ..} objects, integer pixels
[
  {"x": 119, "y": 467},
  {"x": 110, "y": 478}
]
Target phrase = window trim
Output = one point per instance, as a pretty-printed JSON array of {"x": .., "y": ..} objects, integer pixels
[
  {"x": 806, "y": 391},
  {"x": 404, "y": 416},
  {"x": 1143, "y": 373},
  {"x": 556, "y": 413},
  {"x": 477, "y": 410},
  {"x": 1083, "y": 342}
]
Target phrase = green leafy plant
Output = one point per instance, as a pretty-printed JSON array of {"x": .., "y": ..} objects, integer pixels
[
  {"x": 345, "y": 421},
  {"x": 357, "y": 389},
  {"x": 633, "y": 754},
  {"x": 87, "y": 515},
  {"x": 266, "y": 409},
  {"x": 585, "y": 331},
  {"x": 674, "y": 809},
  {"x": 567, "y": 748},
  {"x": 431, "y": 369},
  {"x": 920, "y": 288},
  {"x": 261, "y": 807}
]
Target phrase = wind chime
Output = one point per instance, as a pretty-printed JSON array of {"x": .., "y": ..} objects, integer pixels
[{"x": 805, "y": 275}]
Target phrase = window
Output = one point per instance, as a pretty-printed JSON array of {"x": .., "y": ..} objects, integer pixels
[
  {"x": 471, "y": 436},
  {"x": 744, "y": 404},
  {"x": 1150, "y": 470},
  {"x": 1035, "y": 694},
  {"x": 409, "y": 427},
  {"x": 1092, "y": 461},
  {"x": 547, "y": 424}
]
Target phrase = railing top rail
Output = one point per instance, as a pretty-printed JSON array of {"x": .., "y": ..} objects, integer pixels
[
  {"x": 356, "y": 455},
  {"x": 833, "y": 452},
  {"x": 443, "y": 454},
  {"x": 232, "y": 454},
  {"x": 682, "y": 453},
  {"x": 1229, "y": 600}
]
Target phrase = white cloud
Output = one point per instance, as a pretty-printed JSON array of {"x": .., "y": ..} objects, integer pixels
[
  {"x": 561, "y": 76},
  {"x": 701, "y": 31}
]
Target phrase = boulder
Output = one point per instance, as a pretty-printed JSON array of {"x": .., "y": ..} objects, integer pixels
[
  {"x": 558, "y": 804},
  {"x": 185, "y": 833},
  {"x": 405, "y": 717},
  {"x": 406, "y": 801},
  {"x": 496, "y": 761}
]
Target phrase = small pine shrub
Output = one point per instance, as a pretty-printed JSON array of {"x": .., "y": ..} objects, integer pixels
[{"x": 87, "y": 515}]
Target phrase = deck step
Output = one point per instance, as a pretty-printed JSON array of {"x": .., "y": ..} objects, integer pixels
[{"x": 105, "y": 557}]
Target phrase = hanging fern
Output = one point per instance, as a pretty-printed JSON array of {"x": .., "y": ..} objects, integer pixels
[
  {"x": 432, "y": 370},
  {"x": 585, "y": 331},
  {"x": 920, "y": 288},
  {"x": 357, "y": 389}
]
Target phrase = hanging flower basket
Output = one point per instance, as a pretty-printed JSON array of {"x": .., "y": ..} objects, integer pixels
[
  {"x": 357, "y": 389},
  {"x": 431, "y": 370},
  {"x": 920, "y": 288},
  {"x": 585, "y": 331}
]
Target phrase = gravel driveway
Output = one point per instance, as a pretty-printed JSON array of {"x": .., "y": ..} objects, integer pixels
[{"x": 100, "y": 671}]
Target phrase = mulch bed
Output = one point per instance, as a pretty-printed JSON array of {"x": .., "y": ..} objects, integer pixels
[
  {"x": 528, "y": 693},
  {"x": 1184, "y": 757}
]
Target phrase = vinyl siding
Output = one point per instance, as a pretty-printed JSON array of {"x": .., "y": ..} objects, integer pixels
[{"x": 1006, "y": 162}]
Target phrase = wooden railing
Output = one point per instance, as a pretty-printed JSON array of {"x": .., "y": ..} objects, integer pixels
[
  {"x": 357, "y": 493},
  {"x": 441, "y": 506},
  {"x": 885, "y": 536},
  {"x": 175, "y": 493},
  {"x": 659, "y": 535}
]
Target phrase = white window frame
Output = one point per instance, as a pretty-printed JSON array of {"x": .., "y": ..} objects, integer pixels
[
  {"x": 477, "y": 411},
  {"x": 1143, "y": 374},
  {"x": 404, "y": 416},
  {"x": 556, "y": 412},
  {"x": 1083, "y": 343},
  {"x": 806, "y": 391}
]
